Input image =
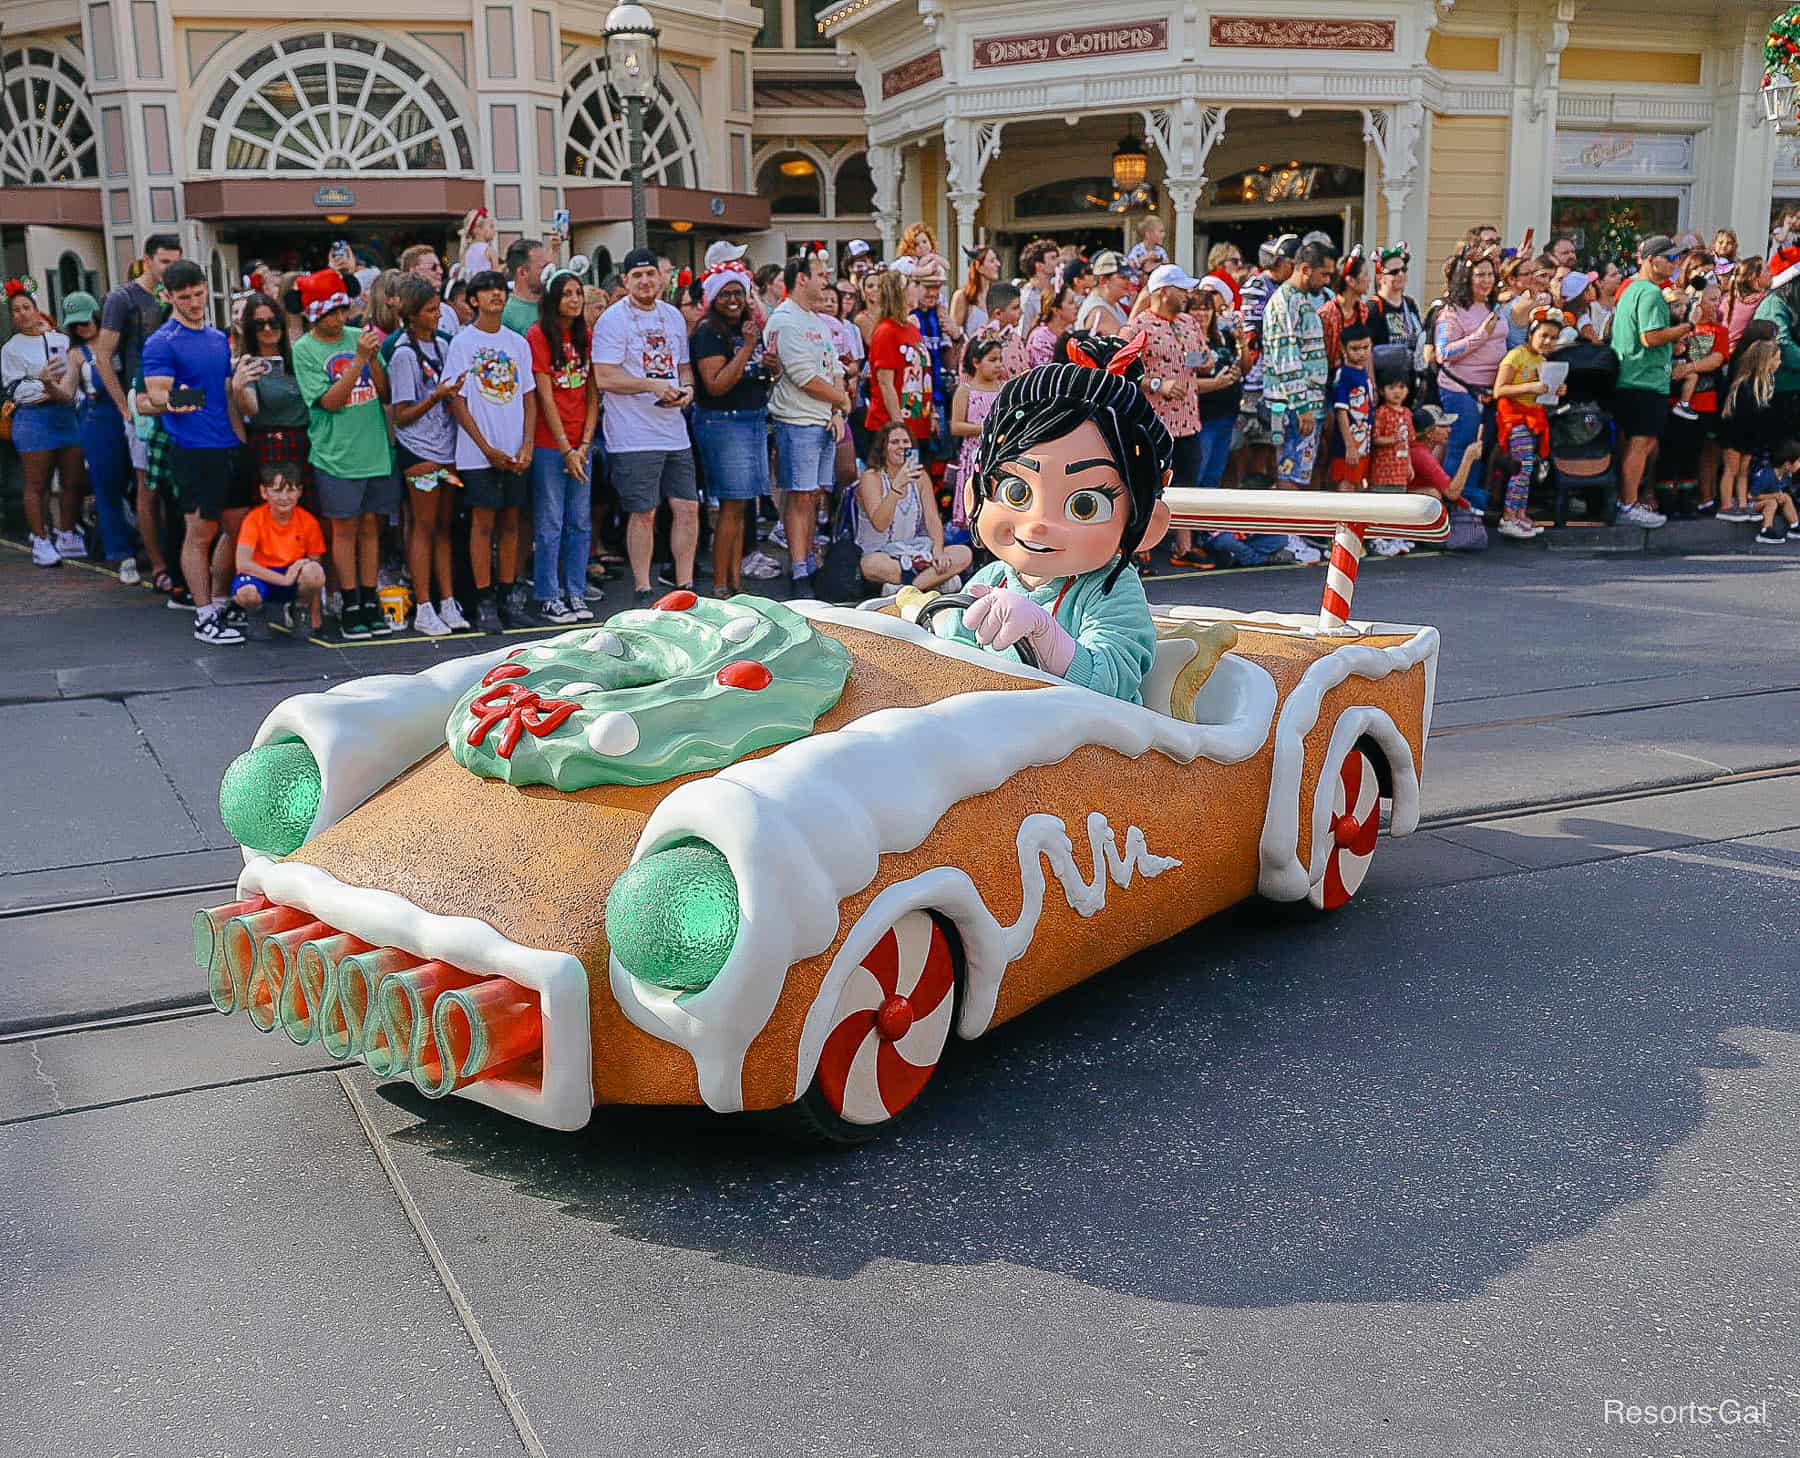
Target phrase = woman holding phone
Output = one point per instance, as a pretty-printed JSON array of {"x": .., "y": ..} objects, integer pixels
[
  {"x": 268, "y": 395},
  {"x": 897, "y": 522},
  {"x": 37, "y": 380}
]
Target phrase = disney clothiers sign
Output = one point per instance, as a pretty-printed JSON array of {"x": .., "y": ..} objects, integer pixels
[{"x": 1079, "y": 43}]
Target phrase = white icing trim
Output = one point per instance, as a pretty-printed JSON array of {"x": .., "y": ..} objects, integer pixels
[
  {"x": 1282, "y": 877},
  {"x": 988, "y": 947},
  {"x": 807, "y": 826},
  {"x": 365, "y": 732},
  {"x": 566, "y": 1100}
]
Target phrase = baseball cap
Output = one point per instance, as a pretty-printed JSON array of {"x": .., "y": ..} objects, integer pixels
[
  {"x": 1657, "y": 245},
  {"x": 1107, "y": 264},
  {"x": 857, "y": 248},
  {"x": 79, "y": 308},
  {"x": 638, "y": 258},
  {"x": 1171, "y": 275},
  {"x": 724, "y": 252},
  {"x": 1430, "y": 417},
  {"x": 1286, "y": 246},
  {"x": 1574, "y": 285}
]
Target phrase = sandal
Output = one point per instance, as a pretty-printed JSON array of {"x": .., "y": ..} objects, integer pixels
[
  {"x": 162, "y": 583},
  {"x": 1196, "y": 560}
]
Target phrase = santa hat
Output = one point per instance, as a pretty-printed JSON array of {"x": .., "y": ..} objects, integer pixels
[
  {"x": 1785, "y": 265},
  {"x": 714, "y": 279},
  {"x": 316, "y": 294}
]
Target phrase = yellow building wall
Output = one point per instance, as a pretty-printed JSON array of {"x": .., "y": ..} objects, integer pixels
[
  {"x": 1468, "y": 186},
  {"x": 1463, "y": 52},
  {"x": 1600, "y": 63}
]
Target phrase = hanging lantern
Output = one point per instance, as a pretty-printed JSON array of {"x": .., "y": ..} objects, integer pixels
[
  {"x": 1781, "y": 50},
  {"x": 1777, "y": 97},
  {"x": 1130, "y": 165}
]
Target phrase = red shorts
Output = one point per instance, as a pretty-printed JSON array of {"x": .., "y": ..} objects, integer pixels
[{"x": 1346, "y": 474}]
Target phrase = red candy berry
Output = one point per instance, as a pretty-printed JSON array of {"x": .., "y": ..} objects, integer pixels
[
  {"x": 500, "y": 672},
  {"x": 678, "y": 601},
  {"x": 745, "y": 673}
]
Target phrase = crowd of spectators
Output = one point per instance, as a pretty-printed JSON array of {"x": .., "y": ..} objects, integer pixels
[{"x": 486, "y": 444}]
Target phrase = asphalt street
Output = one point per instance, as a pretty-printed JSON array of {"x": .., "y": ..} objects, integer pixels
[{"x": 1503, "y": 1153}]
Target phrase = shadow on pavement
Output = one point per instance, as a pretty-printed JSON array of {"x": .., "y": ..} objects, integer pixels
[{"x": 1397, "y": 1104}]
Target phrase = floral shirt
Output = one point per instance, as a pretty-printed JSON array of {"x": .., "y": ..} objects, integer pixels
[
  {"x": 1166, "y": 358},
  {"x": 1294, "y": 368}
]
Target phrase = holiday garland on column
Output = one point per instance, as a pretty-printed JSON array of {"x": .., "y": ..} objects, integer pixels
[{"x": 1782, "y": 47}]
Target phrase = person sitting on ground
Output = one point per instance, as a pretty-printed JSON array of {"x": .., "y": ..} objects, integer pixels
[
  {"x": 1769, "y": 495},
  {"x": 897, "y": 522},
  {"x": 281, "y": 553},
  {"x": 1431, "y": 433}
]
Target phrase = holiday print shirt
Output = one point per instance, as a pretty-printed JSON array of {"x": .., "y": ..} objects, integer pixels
[
  {"x": 1391, "y": 465},
  {"x": 1294, "y": 368},
  {"x": 1165, "y": 358}
]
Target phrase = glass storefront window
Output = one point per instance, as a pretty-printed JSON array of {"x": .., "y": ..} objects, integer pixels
[
  {"x": 769, "y": 38},
  {"x": 1607, "y": 229},
  {"x": 806, "y": 22}
]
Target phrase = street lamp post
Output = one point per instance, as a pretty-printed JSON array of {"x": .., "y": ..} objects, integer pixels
[{"x": 631, "y": 62}]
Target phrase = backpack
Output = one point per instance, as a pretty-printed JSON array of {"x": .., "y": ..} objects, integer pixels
[{"x": 838, "y": 577}]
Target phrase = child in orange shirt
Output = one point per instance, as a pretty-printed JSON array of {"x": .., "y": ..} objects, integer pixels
[{"x": 280, "y": 551}]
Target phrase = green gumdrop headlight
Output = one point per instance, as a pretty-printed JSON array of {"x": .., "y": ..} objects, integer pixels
[
  {"x": 673, "y": 917},
  {"x": 269, "y": 797}
]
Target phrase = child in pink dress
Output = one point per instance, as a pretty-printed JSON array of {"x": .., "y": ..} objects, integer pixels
[
  {"x": 984, "y": 372},
  {"x": 1390, "y": 468}
]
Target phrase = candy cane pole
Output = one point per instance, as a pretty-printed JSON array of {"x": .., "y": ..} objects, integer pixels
[{"x": 1340, "y": 578}]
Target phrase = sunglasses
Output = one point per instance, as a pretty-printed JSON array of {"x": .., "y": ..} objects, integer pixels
[
  {"x": 1393, "y": 272},
  {"x": 267, "y": 322}
]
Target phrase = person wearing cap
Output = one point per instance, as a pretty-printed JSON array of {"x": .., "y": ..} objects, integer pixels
[
  {"x": 1175, "y": 352},
  {"x": 102, "y": 435},
  {"x": 1781, "y": 307},
  {"x": 859, "y": 258},
  {"x": 1643, "y": 338},
  {"x": 642, "y": 367},
  {"x": 722, "y": 252},
  {"x": 1294, "y": 368},
  {"x": 1100, "y": 311},
  {"x": 1431, "y": 425},
  {"x": 1577, "y": 293}
]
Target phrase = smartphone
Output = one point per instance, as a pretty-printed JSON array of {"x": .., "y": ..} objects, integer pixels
[
  {"x": 559, "y": 220},
  {"x": 1198, "y": 359},
  {"x": 273, "y": 364},
  {"x": 183, "y": 395},
  {"x": 912, "y": 455}
]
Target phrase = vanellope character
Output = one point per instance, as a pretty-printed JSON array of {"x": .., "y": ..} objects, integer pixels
[{"x": 1066, "y": 487}]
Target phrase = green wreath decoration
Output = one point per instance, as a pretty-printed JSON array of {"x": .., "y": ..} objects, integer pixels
[{"x": 1782, "y": 47}]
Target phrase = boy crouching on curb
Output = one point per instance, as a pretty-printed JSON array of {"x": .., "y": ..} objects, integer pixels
[{"x": 280, "y": 551}]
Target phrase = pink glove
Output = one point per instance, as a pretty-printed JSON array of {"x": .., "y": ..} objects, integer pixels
[{"x": 1002, "y": 617}]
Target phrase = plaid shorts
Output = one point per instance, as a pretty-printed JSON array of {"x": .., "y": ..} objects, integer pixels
[{"x": 159, "y": 471}]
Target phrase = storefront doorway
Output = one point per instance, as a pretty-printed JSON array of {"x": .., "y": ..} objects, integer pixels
[{"x": 303, "y": 247}]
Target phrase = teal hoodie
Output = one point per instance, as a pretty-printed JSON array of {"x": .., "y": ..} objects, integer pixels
[
  {"x": 1776, "y": 311},
  {"x": 1115, "y": 640}
]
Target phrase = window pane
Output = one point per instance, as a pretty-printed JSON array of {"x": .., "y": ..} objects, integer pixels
[{"x": 806, "y": 22}]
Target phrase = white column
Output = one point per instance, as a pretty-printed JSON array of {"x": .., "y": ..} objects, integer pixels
[
  {"x": 1393, "y": 134},
  {"x": 1737, "y": 160},
  {"x": 1184, "y": 197},
  {"x": 1185, "y": 135},
  {"x": 133, "y": 75},
  {"x": 885, "y": 173},
  {"x": 1540, "y": 33},
  {"x": 968, "y": 148}
]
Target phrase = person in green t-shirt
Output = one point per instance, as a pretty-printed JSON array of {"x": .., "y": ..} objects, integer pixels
[
  {"x": 525, "y": 263},
  {"x": 1643, "y": 338},
  {"x": 344, "y": 385}
]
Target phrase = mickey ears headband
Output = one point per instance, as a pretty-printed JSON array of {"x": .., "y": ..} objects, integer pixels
[
  {"x": 576, "y": 267},
  {"x": 1545, "y": 314},
  {"x": 974, "y": 254},
  {"x": 1397, "y": 250},
  {"x": 23, "y": 284}
]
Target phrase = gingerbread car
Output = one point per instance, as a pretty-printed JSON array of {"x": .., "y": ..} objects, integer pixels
[{"x": 764, "y": 856}]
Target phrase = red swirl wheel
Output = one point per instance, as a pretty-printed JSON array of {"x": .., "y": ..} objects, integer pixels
[
  {"x": 1355, "y": 823},
  {"x": 888, "y": 1031}
]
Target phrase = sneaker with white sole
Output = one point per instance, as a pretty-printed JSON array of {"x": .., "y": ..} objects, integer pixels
[
  {"x": 552, "y": 610},
  {"x": 579, "y": 608},
  {"x": 44, "y": 553},
  {"x": 211, "y": 627},
  {"x": 1517, "y": 530},
  {"x": 1769, "y": 539},
  {"x": 1385, "y": 546},
  {"x": 129, "y": 574},
  {"x": 1639, "y": 515},
  {"x": 1686, "y": 412},
  {"x": 71, "y": 546},
  {"x": 1304, "y": 551},
  {"x": 427, "y": 623},
  {"x": 450, "y": 614}
]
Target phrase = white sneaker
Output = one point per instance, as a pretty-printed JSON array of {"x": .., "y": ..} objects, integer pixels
[
  {"x": 71, "y": 546},
  {"x": 44, "y": 553},
  {"x": 1517, "y": 530},
  {"x": 451, "y": 616},
  {"x": 128, "y": 572},
  {"x": 1639, "y": 515},
  {"x": 210, "y": 627},
  {"x": 427, "y": 622},
  {"x": 779, "y": 535},
  {"x": 1304, "y": 551},
  {"x": 1385, "y": 546}
]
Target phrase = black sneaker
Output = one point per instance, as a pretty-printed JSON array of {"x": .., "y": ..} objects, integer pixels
[
  {"x": 211, "y": 627},
  {"x": 487, "y": 614},
  {"x": 181, "y": 600},
  {"x": 642, "y": 597},
  {"x": 234, "y": 616},
  {"x": 353, "y": 622},
  {"x": 665, "y": 574},
  {"x": 510, "y": 616},
  {"x": 280, "y": 615},
  {"x": 553, "y": 610},
  {"x": 379, "y": 626},
  {"x": 1770, "y": 538}
]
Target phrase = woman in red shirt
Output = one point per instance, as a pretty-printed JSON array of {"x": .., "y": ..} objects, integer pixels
[
  {"x": 562, "y": 502},
  {"x": 899, "y": 368}
]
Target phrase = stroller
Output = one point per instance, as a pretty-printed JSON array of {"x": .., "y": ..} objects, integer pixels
[{"x": 1583, "y": 442}]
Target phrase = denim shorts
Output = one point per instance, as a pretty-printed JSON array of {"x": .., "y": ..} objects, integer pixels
[
  {"x": 45, "y": 428},
  {"x": 733, "y": 446},
  {"x": 805, "y": 457}
]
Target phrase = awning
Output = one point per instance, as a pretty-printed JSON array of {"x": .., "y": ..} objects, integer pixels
[
  {"x": 55, "y": 205},
  {"x": 312, "y": 199},
  {"x": 610, "y": 202}
]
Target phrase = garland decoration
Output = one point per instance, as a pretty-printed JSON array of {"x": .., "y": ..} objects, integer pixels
[{"x": 1781, "y": 49}]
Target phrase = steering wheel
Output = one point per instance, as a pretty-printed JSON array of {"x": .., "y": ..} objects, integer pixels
[{"x": 1027, "y": 654}]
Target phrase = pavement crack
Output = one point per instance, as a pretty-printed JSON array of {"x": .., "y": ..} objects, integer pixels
[
  {"x": 168, "y": 779},
  {"x": 43, "y": 1073}
]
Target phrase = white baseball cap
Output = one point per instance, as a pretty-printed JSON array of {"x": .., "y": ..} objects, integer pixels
[
  {"x": 857, "y": 248},
  {"x": 723, "y": 252},
  {"x": 1171, "y": 275}
]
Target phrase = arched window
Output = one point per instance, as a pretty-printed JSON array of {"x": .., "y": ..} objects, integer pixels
[
  {"x": 46, "y": 124},
  {"x": 793, "y": 184},
  {"x": 597, "y": 146},
  {"x": 855, "y": 194},
  {"x": 328, "y": 102}
]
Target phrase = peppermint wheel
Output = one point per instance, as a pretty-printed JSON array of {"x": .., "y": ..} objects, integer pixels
[
  {"x": 1355, "y": 822},
  {"x": 888, "y": 1032}
]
